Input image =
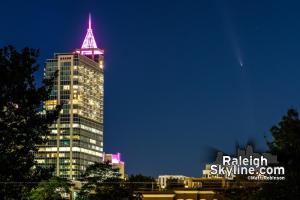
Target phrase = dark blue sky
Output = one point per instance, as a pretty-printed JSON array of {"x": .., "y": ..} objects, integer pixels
[{"x": 173, "y": 84}]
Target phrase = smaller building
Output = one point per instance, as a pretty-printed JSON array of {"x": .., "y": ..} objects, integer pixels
[
  {"x": 175, "y": 182},
  {"x": 206, "y": 183},
  {"x": 116, "y": 162},
  {"x": 206, "y": 173},
  {"x": 184, "y": 194},
  {"x": 164, "y": 180}
]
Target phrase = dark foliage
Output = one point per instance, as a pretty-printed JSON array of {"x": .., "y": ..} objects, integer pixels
[
  {"x": 102, "y": 182},
  {"x": 286, "y": 145},
  {"x": 55, "y": 188},
  {"x": 22, "y": 124},
  {"x": 141, "y": 182}
]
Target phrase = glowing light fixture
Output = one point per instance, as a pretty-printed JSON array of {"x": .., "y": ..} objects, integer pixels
[
  {"x": 89, "y": 45},
  {"x": 116, "y": 158},
  {"x": 89, "y": 40}
]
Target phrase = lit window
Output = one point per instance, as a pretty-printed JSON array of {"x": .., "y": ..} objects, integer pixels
[
  {"x": 92, "y": 141},
  {"x": 66, "y": 87}
]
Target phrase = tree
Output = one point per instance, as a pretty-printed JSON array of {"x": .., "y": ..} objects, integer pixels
[
  {"x": 243, "y": 190},
  {"x": 22, "y": 124},
  {"x": 285, "y": 144},
  {"x": 52, "y": 189},
  {"x": 141, "y": 182},
  {"x": 102, "y": 182}
]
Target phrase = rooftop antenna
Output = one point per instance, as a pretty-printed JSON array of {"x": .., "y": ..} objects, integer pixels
[
  {"x": 90, "y": 21},
  {"x": 89, "y": 40}
]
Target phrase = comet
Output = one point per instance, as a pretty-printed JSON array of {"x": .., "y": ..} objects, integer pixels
[
  {"x": 241, "y": 63},
  {"x": 230, "y": 31}
]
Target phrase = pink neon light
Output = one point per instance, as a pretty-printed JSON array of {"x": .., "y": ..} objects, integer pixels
[
  {"x": 116, "y": 158},
  {"x": 90, "y": 52},
  {"x": 89, "y": 40}
]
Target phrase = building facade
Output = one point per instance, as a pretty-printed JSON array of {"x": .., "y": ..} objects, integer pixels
[
  {"x": 180, "y": 195},
  {"x": 116, "y": 163},
  {"x": 76, "y": 139},
  {"x": 206, "y": 173},
  {"x": 163, "y": 180}
]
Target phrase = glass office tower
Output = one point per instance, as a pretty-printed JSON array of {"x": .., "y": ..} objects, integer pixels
[{"x": 76, "y": 139}]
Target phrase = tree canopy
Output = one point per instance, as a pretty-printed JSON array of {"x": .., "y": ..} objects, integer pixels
[
  {"x": 286, "y": 145},
  {"x": 22, "y": 124},
  {"x": 52, "y": 189},
  {"x": 102, "y": 182},
  {"x": 141, "y": 182}
]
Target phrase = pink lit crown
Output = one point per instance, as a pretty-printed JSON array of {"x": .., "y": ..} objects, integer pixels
[{"x": 89, "y": 45}]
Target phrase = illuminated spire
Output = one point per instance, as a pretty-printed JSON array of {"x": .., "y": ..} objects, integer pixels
[
  {"x": 89, "y": 40},
  {"x": 89, "y": 46},
  {"x": 90, "y": 21}
]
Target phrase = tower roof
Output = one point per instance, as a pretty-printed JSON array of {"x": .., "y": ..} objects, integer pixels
[
  {"x": 89, "y": 40},
  {"x": 89, "y": 46}
]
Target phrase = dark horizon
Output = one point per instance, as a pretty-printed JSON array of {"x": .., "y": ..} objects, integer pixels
[{"x": 181, "y": 78}]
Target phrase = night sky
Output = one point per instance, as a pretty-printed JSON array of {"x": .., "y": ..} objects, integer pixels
[{"x": 174, "y": 85}]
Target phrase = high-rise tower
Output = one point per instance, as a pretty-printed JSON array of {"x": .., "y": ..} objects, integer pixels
[{"x": 76, "y": 139}]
